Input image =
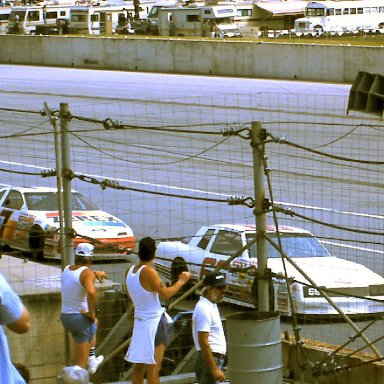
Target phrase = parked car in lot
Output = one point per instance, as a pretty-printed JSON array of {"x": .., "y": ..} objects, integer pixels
[
  {"x": 350, "y": 284},
  {"x": 29, "y": 221}
]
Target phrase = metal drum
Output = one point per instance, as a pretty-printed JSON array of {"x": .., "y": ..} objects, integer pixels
[{"x": 254, "y": 348}]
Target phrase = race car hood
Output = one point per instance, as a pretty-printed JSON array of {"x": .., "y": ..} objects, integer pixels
[
  {"x": 331, "y": 272},
  {"x": 95, "y": 224}
]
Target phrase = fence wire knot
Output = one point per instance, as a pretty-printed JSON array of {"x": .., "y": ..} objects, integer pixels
[
  {"x": 109, "y": 184},
  {"x": 48, "y": 173},
  {"x": 69, "y": 174},
  {"x": 242, "y": 200},
  {"x": 237, "y": 132},
  {"x": 108, "y": 124},
  {"x": 281, "y": 209}
]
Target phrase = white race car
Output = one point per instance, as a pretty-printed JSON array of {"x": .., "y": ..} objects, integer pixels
[
  {"x": 29, "y": 221},
  {"x": 354, "y": 288}
]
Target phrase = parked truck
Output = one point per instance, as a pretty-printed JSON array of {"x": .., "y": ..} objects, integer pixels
[{"x": 206, "y": 21}]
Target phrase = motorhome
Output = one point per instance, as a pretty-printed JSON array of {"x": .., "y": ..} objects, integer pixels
[
  {"x": 23, "y": 20},
  {"x": 153, "y": 15},
  {"x": 206, "y": 21},
  {"x": 4, "y": 16},
  {"x": 106, "y": 19}
]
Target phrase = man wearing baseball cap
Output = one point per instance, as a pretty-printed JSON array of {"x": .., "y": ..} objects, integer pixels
[
  {"x": 78, "y": 313},
  {"x": 208, "y": 333}
]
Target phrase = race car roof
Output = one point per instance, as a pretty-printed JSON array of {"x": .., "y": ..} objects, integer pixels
[{"x": 252, "y": 228}]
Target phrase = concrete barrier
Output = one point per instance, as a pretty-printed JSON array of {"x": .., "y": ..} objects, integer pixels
[{"x": 330, "y": 63}]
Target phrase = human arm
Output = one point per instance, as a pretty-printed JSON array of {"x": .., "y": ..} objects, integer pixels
[
  {"x": 87, "y": 279},
  {"x": 206, "y": 351},
  {"x": 151, "y": 281},
  {"x": 13, "y": 313},
  {"x": 100, "y": 275},
  {"x": 22, "y": 324}
]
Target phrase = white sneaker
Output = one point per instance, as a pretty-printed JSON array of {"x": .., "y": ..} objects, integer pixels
[{"x": 93, "y": 363}]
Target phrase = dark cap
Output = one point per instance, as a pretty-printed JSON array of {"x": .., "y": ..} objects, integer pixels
[
  {"x": 147, "y": 247},
  {"x": 215, "y": 279}
]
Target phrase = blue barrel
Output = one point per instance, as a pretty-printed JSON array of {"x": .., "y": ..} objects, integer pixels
[{"x": 254, "y": 348}]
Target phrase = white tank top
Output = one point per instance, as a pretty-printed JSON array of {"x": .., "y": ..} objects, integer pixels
[
  {"x": 73, "y": 294},
  {"x": 147, "y": 304}
]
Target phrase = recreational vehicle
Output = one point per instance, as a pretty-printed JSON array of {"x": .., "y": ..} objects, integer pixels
[
  {"x": 106, "y": 19},
  {"x": 23, "y": 20},
  {"x": 206, "y": 21},
  {"x": 4, "y": 16}
]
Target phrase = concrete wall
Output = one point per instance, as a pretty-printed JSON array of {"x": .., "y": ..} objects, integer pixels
[{"x": 208, "y": 57}]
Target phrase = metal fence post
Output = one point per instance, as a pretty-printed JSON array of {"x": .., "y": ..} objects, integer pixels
[
  {"x": 67, "y": 254},
  {"x": 258, "y": 149}
]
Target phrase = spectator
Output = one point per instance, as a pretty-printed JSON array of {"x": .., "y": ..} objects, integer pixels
[
  {"x": 15, "y": 317},
  {"x": 45, "y": 14},
  {"x": 150, "y": 328},
  {"x": 208, "y": 333},
  {"x": 78, "y": 293}
]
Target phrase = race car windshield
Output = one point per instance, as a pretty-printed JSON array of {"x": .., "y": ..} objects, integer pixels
[
  {"x": 294, "y": 245},
  {"x": 47, "y": 201}
]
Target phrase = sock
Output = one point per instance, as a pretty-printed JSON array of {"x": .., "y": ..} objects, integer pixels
[{"x": 92, "y": 352}]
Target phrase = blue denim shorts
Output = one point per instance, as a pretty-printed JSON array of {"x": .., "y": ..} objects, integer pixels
[
  {"x": 81, "y": 327},
  {"x": 162, "y": 332}
]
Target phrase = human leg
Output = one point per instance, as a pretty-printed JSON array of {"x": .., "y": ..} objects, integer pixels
[
  {"x": 202, "y": 371},
  {"x": 137, "y": 376},
  {"x": 83, "y": 331},
  {"x": 81, "y": 354},
  {"x": 161, "y": 340},
  {"x": 93, "y": 361},
  {"x": 153, "y": 371}
]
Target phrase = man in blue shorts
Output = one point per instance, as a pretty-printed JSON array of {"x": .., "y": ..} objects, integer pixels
[{"x": 78, "y": 314}]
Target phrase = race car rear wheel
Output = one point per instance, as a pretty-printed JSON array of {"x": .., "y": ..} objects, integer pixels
[{"x": 36, "y": 243}]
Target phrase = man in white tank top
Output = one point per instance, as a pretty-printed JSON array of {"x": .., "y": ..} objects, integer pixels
[
  {"x": 78, "y": 313},
  {"x": 149, "y": 336}
]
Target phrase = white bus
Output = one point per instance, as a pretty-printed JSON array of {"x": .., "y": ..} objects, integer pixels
[
  {"x": 4, "y": 16},
  {"x": 341, "y": 16},
  {"x": 104, "y": 20},
  {"x": 23, "y": 20}
]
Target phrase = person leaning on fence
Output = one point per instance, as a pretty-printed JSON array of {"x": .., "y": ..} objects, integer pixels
[
  {"x": 78, "y": 314},
  {"x": 207, "y": 330},
  {"x": 15, "y": 317},
  {"x": 150, "y": 328}
]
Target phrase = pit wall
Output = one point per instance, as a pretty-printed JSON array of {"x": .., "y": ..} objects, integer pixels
[
  {"x": 329, "y": 63},
  {"x": 356, "y": 369}
]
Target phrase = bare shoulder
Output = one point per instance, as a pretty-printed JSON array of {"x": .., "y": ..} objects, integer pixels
[
  {"x": 87, "y": 274},
  {"x": 149, "y": 272}
]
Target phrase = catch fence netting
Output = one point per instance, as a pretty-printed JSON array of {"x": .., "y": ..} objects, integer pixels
[{"x": 169, "y": 167}]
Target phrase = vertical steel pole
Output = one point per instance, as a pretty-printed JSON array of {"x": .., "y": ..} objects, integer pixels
[
  {"x": 67, "y": 254},
  {"x": 59, "y": 180},
  {"x": 258, "y": 149},
  {"x": 66, "y": 242}
]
